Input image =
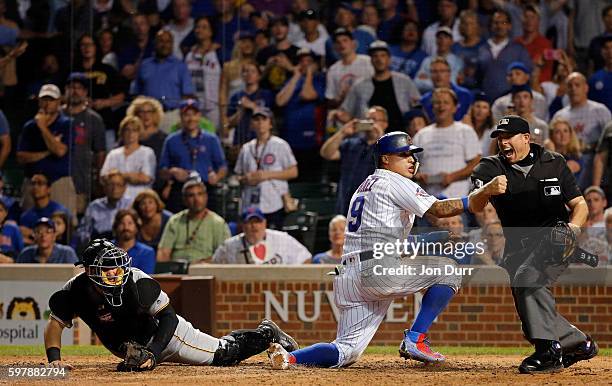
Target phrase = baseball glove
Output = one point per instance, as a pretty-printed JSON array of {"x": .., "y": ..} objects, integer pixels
[
  {"x": 137, "y": 358},
  {"x": 562, "y": 241}
]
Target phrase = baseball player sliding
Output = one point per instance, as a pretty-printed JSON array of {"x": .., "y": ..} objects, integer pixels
[
  {"x": 133, "y": 318},
  {"x": 382, "y": 211}
]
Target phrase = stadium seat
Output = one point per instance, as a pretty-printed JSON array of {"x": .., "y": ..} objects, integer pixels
[
  {"x": 313, "y": 190},
  {"x": 177, "y": 267},
  {"x": 302, "y": 226},
  {"x": 322, "y": 206}
]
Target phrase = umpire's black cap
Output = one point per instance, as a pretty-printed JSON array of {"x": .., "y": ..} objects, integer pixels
[{"x": 511, "y": 124}]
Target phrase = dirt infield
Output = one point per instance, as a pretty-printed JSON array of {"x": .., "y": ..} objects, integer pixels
[{"x": 373, "y": 369}]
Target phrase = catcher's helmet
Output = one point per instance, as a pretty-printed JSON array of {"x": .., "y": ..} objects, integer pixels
[
  {"x": 395, "y": 142},
  {"x": 99, "y": 259}
]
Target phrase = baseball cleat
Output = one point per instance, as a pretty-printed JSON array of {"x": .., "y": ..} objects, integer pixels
[
  {"x": 279, "y": 336},
  {"x": 419, "y": 350},
  {"x": 583, "y": 352},
  {"x": 279, "y": 357}
]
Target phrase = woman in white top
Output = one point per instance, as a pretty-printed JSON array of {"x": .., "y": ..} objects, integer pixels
[{"x": 135, "y": 162}]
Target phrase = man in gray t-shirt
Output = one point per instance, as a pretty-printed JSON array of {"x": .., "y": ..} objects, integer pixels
[{"x": 88, "y": 139}]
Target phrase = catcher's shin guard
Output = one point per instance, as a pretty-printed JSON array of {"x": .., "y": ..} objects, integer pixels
[{"x": 240, "y": 345}]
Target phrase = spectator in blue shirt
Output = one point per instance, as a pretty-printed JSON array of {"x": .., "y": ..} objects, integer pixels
[
  {"x": 164, "y": 76},
  {"x": 346, "y": 18},
  {"x": 391, "y": 21},
  {"x": 125, "y": 229},
  {"x": 441, "y": 77},
  {"x": 44, "y": 147},
  {"x": 98, "y": 219},
  {"x": 406, "y": 57},
  {"x": 5, "y": 139},
  {"x": 498, "y": 52},
  {"x": 303, "y": 98},
  {"x": 46, "y": 250},
  {"x": 355, "y": 152},
  {"x": 11, "y": 242},
  {"x": 336, "y": 241},
  {"x": 190, "y": 150},
  {"x": 43, "y": 206},
  {"x": 600, "y": 83},
  {"x": 153, "y": 217},
  {"x": 243, "y": 103},
  {"x": 467, "y": 48},
  {"x": 228, "y": 24},
  {"x": 138, "y": 48}
]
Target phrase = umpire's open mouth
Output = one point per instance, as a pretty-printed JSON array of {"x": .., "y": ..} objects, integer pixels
[{"x": 508, "y": 152}]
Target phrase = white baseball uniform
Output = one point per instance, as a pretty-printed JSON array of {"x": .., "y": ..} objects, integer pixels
[{"x": 382, "y": 210}]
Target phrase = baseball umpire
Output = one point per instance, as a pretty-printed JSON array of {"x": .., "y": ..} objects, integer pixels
[
  {"x": 133, "y": 318},
  {"x": 534, "y": 213}
]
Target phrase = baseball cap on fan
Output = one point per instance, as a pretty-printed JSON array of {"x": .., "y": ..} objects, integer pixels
[
  {"x": 511, "y": 124},
  {"x": 263, "y": 111},
  {"x": 45, "y": 221},
  {"x": 252, "y": 212},
  {"x": 190, "y": 103},
  {"x": 50, "y": 90},
  {"x": 445, "y": 30}
]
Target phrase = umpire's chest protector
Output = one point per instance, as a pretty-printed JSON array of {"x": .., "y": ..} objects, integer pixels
[{"x": 537, "y": 199}]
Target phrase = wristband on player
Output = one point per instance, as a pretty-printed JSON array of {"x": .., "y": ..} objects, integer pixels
[
  {"x": 466, "y": 204},
  {"x": 53, "y": 354}
]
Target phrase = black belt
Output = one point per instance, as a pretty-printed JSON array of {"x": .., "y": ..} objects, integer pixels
[{"x": 363, "y": 256}]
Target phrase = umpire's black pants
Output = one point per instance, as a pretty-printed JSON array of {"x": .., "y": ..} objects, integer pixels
[{"x": 535, "y": 303}]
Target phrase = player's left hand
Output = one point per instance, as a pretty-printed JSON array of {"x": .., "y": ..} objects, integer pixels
[{"x": 137, "y": 358}]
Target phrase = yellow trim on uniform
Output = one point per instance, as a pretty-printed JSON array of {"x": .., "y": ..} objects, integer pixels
[
  {"x": 164, "y": 306},
  {"x": 61, "y": 322},
  {"x": 192, "y": 346}
]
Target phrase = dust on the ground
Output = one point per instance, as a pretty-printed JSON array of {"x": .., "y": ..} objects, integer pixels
[{"x": 371, "y": 369}]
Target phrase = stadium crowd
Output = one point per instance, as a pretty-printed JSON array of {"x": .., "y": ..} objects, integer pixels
[{"x": 185, "y": 130}]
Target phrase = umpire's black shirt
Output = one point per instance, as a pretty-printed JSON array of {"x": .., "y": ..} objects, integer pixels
[{"x": 539, "y": 186}]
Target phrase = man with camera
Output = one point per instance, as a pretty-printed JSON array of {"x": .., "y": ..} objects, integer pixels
[{"x": 353, "y": 146}]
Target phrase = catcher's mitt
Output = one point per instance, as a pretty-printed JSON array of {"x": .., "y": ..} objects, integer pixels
[
  {"x": 562, "y": 241},
  {"x": 137, "y": 358}
]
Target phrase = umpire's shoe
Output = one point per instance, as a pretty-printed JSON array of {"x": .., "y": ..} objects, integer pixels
[
  {"x": 547, "y": 360},
  {"x": 279, "y": 336},
  {"x": 584, "y": 351}
]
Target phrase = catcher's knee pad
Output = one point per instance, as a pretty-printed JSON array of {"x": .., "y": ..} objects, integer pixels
[{"x": 240, "y": 345}]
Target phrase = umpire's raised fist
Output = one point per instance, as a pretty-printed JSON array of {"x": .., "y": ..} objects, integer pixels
[{"x": 497, "y": 185}]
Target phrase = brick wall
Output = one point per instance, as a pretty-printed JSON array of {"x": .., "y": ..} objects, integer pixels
[{"x": 480, "y": 315}]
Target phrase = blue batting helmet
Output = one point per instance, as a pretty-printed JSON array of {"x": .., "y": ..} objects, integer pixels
[{"x": 395, "y": 142}]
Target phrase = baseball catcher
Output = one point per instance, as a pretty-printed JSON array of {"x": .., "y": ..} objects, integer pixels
[{"x": 134, "y": 320}]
